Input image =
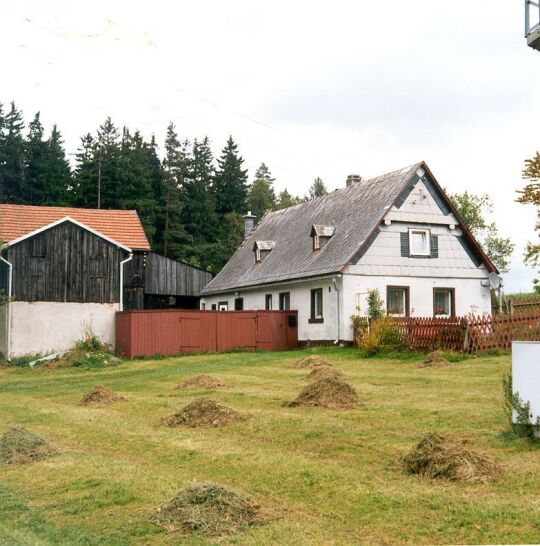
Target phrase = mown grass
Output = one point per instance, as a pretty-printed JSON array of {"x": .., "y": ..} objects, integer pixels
[{"x": 333, "y": 476}]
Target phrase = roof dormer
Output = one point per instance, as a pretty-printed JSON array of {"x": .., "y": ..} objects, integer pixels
[
  {"x": 321, "y": 235},
  {"x": 262, "y": 249}
]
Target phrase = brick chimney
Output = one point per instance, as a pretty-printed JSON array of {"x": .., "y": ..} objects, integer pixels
[
  {"x": 249, "y": 222},
  {"x": 353, "y": 179}
]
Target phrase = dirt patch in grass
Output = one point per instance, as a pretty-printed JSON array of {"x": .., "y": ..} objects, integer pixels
[
  {"x": 19, "y": 446},
  {"x": 436, "y": 359},
  {"x": 312, "y": 362},
  {"x": 324, "y": 372},
  {"x": 203, "y": 412},
  {"x": 202, "y": 382},
  {"x": 327, "y": 393},
  {"x": 101, "y": 395},
  {"x": 209, "y": 509},
  {"x": 444, "y": 456}
]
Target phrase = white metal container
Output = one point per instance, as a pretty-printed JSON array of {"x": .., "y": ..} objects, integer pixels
[{"x": 526, "y": 374}]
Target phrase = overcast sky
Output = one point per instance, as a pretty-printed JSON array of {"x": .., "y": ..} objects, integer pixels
[{"x": 310, "y": 88}]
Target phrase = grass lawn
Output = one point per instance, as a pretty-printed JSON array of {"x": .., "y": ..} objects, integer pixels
[{"x": 333, "y": 476}]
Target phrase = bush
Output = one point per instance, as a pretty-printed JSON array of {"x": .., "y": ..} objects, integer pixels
[{"x": 384, "y": 336}]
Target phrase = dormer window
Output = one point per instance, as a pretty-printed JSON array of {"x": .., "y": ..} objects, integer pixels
[
  {"x": 262, "y": 249},
  {"x": 321, "y": 235}
]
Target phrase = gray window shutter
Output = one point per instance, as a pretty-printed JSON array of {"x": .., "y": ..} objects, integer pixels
[
  {"x": 434, "y": 246},
  {"x": 404, "y": 244}
]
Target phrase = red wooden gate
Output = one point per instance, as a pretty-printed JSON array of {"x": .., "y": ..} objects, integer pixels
[{"x": 169, "y": 332}]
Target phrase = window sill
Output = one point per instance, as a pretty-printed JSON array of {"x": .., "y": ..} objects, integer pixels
[{"x": 316, "y": 320}]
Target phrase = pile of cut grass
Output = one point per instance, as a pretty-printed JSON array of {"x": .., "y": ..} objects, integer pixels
[
  {"x": 203, "y": 412},
  {"x": 327, "y": 393},
  {"x": 204, "y": 381},
  {"x": 436, "y": 359},
  {"x": 208, "y": 509},
  {"x": 20, "y": 446},
  {"x": 101, "y": 395},
  {"x": 311, "y": 361},
  {"x": 447, "y": 457},
  {"x": 324, "y": 372}
]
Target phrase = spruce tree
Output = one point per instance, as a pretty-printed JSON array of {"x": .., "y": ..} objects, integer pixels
[
  {"x": 108, "y": 152},
  {"x": 175, "y": 171},
  {"x": 12, "y": 154},
  {"x": 198, "y": 213},
  {"x": 317, "y": 189},
  {"x": 34, "y": 190},
  {"x": 261, "y": 195},
  {"x": 57, "y": 171},
  {"x": 85, "y": 187},
  {"x": 230, "y": 181}
]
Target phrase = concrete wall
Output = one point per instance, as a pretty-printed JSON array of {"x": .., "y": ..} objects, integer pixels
[
  {"x": 300, "y": 300},
  {"x": 3, "y": 331},
  {"x": 45, "y": 327}
]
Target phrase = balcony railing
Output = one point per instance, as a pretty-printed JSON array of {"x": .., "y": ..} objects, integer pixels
[{"x": 532, "y": 16}]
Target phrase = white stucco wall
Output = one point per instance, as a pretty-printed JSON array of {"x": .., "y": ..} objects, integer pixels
[
  {"x": 45, "y": 327},
  {"x": 300, "y": 300},
  {"x": 470, "y": 295}
]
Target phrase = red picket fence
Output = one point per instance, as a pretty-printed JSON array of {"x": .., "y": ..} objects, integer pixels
[
  {"x": 169, "y": 332},
  {"x": 470, "y": 334}
]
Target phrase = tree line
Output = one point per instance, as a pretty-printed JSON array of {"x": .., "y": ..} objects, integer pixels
[{"x": 190, "y": 203}]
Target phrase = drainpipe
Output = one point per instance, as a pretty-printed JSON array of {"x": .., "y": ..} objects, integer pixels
[
  {"x": 334, "y": 282},
  {"x": 122, "y": 263},
  {"x": 10, "y": 285}
]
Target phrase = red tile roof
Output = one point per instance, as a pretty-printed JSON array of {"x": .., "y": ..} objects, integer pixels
[{"x": 122, "y": 226}]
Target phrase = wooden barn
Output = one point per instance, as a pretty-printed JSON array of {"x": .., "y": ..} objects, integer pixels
[{"x": 67, "y": 272}]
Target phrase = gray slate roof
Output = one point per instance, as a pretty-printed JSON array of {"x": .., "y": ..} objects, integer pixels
[{"x": 354, "y": 211}]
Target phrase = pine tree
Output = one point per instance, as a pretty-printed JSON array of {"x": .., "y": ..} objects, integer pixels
[
  {"x": 175, "y": 170},
  {"x": 230, "y": 181},
  {"x": 12, "y": 157},
  {"x": 261, "y": 195},
  {"x": 317, "y": 189}
]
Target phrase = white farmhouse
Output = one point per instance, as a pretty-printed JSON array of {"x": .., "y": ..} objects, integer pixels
[{"x": 398, "y": 233}]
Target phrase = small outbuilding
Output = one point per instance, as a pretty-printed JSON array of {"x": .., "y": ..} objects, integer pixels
[{"x": 67, "y": 271}]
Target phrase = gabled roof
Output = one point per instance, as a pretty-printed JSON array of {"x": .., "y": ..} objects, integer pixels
[
  {"x": 120, "y": 226},
  {"x": 355, "y": 212}
]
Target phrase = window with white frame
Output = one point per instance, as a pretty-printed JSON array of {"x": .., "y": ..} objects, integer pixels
[
  {"x": 419, "y": 242},
  {"x": 223, "y": 306}
]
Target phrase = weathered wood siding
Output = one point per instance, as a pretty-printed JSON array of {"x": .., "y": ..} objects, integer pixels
[
  {"x": 66, "y": 264},
  {"x": 164, "y": 276}
]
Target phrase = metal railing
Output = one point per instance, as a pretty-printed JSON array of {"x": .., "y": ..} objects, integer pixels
[{"x": 530, "y": 10}]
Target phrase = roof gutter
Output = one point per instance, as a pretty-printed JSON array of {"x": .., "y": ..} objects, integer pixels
[
  {"x": 271, "y": 283},
  {"x": 9, "y": 295}
]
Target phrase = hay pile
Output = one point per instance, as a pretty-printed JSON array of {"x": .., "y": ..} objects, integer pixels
[
  {"x": 442, "y": 456},
  {"x": 101, "y": 395},
  {"x": 203, "y": 412},
  {"x": 19, "y": 446},
  {"x": 436, "y": 359},
  {"x": 312, "y": 361},
  {"x": 208, "y": 509},
  {"x": 202, "y": 382},
  {"x": 324, "y": 372},
  {"x": 327, "y": 393}
]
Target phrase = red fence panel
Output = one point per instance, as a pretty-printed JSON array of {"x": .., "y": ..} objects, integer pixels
[{"x": 169, "y": 332}]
